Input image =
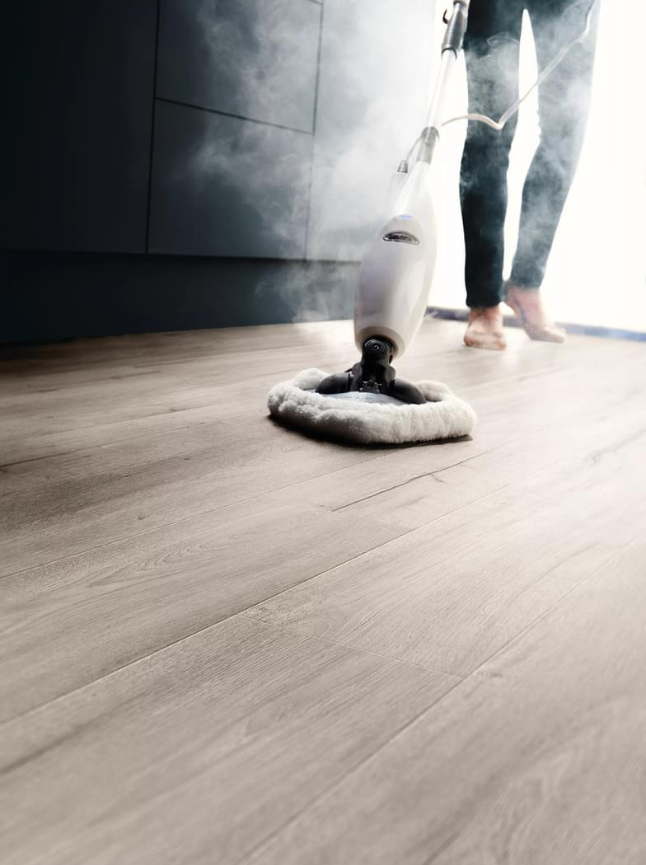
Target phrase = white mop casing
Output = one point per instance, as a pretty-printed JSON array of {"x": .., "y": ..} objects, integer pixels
[{"x": 397, "y": 269}]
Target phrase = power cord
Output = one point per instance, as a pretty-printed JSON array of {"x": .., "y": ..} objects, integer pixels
[{"x": 499, "y": 124}]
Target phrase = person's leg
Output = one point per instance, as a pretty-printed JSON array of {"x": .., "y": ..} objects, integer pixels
[
  {"x": 564, "y": 100},
  {"x": 491, "y": 51}
]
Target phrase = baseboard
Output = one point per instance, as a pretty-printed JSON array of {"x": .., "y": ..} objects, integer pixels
[
  {"x": 570, "y": 327},
  {"x": 50, "y": 296}
]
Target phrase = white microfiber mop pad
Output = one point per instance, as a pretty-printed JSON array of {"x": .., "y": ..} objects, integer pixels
[{"x": 367, "y": 418}]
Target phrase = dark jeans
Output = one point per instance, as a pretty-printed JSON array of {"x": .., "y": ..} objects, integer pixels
[{"x": 492, "y": 49}]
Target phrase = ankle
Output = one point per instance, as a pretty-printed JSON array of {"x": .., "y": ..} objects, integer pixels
[
  {"x": 488, "y": 311},
  {"x": 528, "y": 290}
]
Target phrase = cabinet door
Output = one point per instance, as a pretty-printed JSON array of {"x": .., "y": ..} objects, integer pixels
[
  {"x": 78, "y": 78},
  {"x": 229, "y": 187},
  {"x": 250, "y": 58}
]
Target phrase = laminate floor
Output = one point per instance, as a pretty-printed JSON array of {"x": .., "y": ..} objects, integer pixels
[{"x": 225, "y": 642}]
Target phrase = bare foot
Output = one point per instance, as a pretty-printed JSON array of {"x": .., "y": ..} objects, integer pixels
[
  {"x": 485, "y": 329},
  {"x": 528, "y": 306}
]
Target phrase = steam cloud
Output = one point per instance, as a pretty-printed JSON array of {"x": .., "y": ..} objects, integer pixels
[
  {"x": 376, "y": 65},
  {"x": 372, "y": 93}
]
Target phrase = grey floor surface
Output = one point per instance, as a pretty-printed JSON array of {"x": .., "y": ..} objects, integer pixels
[{"x": 223, "y": 642}]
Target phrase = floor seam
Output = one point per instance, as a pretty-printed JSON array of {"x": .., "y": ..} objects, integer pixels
[
  {"x": 177, "y": 522},
  {"x": 413, "y": 479},
  {"x": 406, "y": 533},
  {"x": 370, "y": 459},
  {"x": 329, "y": 792},
  {"x": 391, "y": 659},
  {"x": 303, "y": 583},
  {"x": 557, "y": 603}
]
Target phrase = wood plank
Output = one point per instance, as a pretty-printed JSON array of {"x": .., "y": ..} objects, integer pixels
[
  {"x": 97, "y": 425},
  {"x": 68, "y": 622},
  {"x": 539, "y": 757},
  {"x": 134, "y": 722},
  {"x": 171, "y": 344},
  {"x": 167, "y": 385},
  {"x": 200, "y": 752},
  {"x": 146, "y": 393},
  {"x": 451, "y": 593},
  {"x": 149, "y": 377},
  {"x": 90, "y": 449},
  {"x": 67, "y": 516}
]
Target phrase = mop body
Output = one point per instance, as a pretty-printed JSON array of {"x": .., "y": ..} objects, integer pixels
[{"x": 369, "y": 418}]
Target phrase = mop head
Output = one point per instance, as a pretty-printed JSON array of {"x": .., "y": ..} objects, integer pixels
[{"x": 366, "y": 418}]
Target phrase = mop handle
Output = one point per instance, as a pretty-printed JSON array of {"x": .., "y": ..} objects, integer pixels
[{"x": 456, "y": 27}]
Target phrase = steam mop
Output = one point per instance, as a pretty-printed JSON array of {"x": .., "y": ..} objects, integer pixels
[{"x": 369, "y": 403}]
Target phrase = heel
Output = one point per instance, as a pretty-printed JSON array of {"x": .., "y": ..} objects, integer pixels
[{"x": 540, "y": 331}]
